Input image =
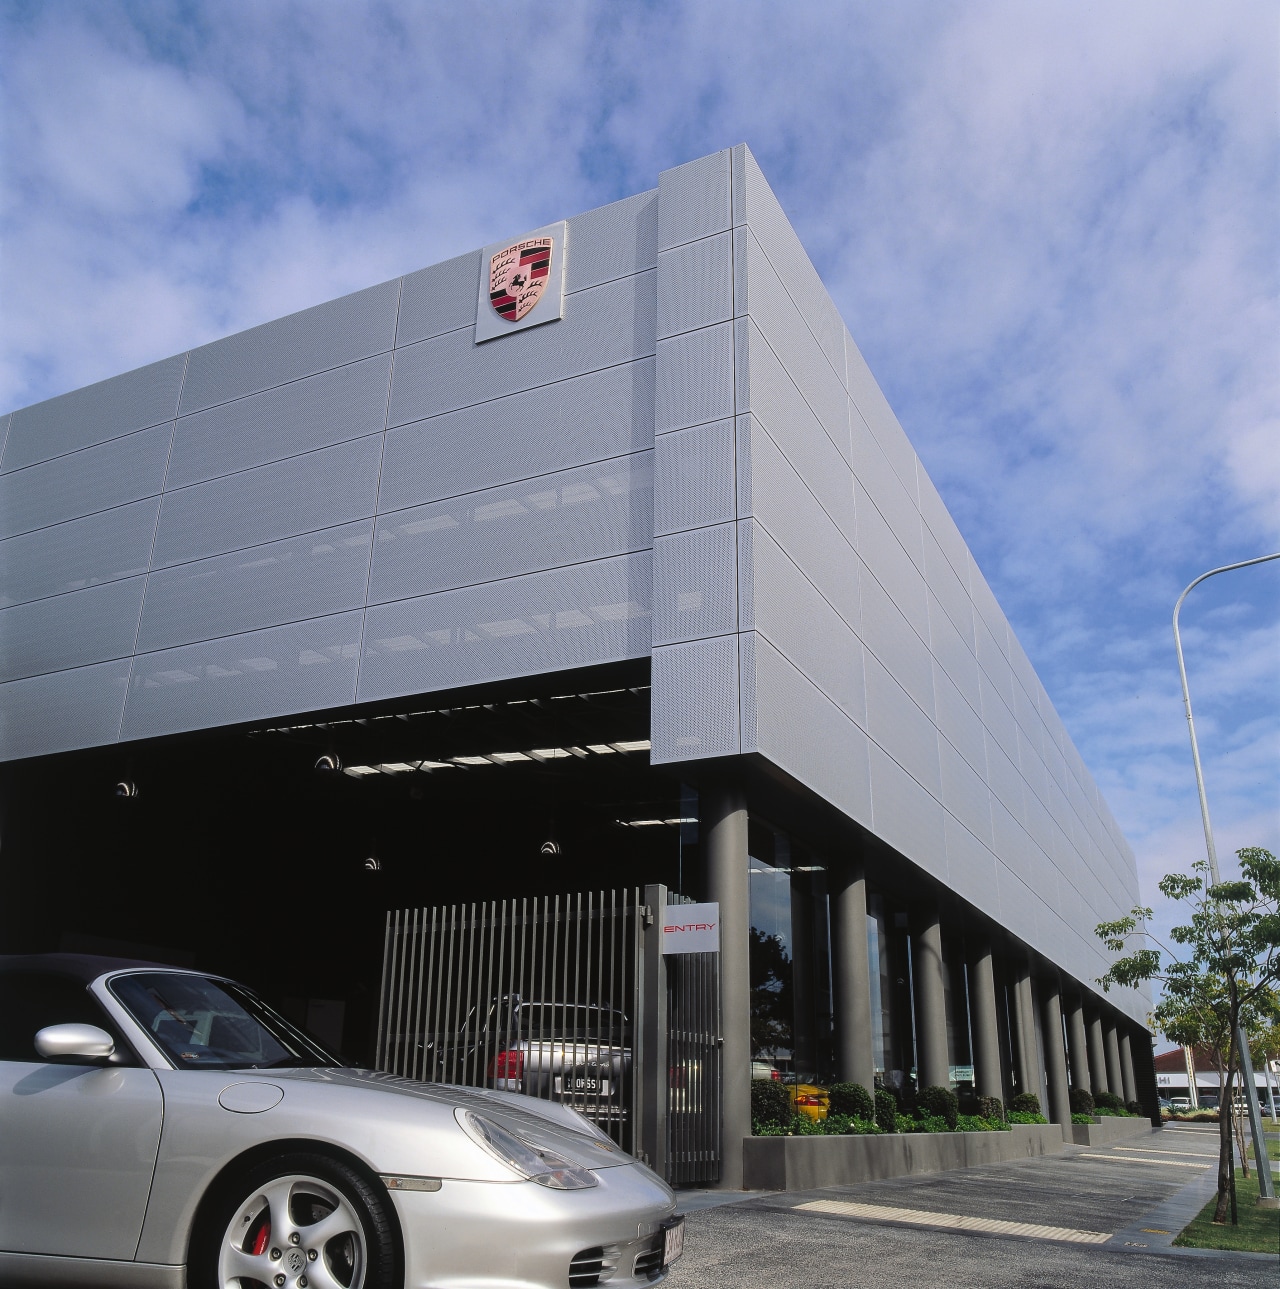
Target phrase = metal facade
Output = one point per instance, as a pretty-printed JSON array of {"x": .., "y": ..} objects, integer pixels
[{"x": 358, "y": 502}]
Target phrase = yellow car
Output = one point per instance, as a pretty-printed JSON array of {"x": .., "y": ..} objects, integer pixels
[{"x": 808, "y": 1099}]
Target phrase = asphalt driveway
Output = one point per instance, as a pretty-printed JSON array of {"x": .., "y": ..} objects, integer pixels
[{"x": 1088, "y": 1217}]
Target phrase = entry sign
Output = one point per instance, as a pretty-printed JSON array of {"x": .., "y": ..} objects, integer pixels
[{"x": 691, "y": 928}]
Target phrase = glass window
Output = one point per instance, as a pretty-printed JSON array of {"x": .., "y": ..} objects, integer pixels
[
  {"x": 214, "y": 1024},
  {"x": 33, "y": 1000},
  {"x": 792, "y": 1015}
]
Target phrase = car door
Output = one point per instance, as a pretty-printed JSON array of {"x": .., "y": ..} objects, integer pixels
[{"x": 77, "y": 1142}]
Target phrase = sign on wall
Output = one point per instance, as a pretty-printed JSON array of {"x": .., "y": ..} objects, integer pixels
[
  {"x": 691, "y": 928},
  {"x": 521, "y": 283}
]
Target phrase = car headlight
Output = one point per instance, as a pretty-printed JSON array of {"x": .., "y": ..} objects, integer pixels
[{"x": 531, "y": 1162}]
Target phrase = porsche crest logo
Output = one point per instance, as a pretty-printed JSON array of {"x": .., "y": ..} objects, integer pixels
[{"x": 518, "y": 275}]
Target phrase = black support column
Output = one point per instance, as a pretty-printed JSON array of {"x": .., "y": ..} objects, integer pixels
[
  {"x": 851, "y": 971},
  {"x": 1078, "y": 1044},
  {"x": 933, "y": 1062},
  {"x": 1055, "y": 1057},
  {"x": 723, "y": 811},
  {"x": 988, "y": 1071}
]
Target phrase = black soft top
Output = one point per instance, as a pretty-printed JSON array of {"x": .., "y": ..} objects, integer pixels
[{"x": 84, "y": 967}]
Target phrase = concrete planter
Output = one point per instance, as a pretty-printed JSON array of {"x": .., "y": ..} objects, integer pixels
[
  {"x": 1105, "y": 1129},
  {"x": 801, "y": 1163}
]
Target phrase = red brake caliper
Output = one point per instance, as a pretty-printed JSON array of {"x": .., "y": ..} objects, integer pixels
[{"x": 261, "y": 1234}]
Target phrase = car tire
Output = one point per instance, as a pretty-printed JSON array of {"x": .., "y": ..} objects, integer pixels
[{"x": 292, "y": 1215}]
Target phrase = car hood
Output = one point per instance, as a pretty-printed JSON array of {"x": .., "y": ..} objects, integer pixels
[{"x": 544, "y": 1124}]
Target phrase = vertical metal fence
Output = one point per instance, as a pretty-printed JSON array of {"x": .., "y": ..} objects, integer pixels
[
  {"x": 536, "y": 995},
  {"x": 568, "y": 998},
  {"x": 693, "y": 1057}
]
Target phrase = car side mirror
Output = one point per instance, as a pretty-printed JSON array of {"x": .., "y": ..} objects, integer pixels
[{"x": 78, "y": 1044}]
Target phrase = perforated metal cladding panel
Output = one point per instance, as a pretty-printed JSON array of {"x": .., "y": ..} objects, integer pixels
[
  {"x": 754, "y": 204},
  {"x": 793, "y": 616},
  {"x": 318, "y": 490},
  {"x": 782, "y": 503},
  {"x": 601, "y": 327},
  {"x": 314, "y": 340},
  {"x": 524, "y": 626},
  {"x": 695, "y": 378},
  {"x": 93, "y": 625},
  {"x": 322, "y": 573},
  {"x": 81, "y": 552},
  {"x": 901, "y": 728},
  {"x": 694, "y": 584},
  {"x": 802, "y": 731},
  {"x": 84, "y": 482},
  {"x": 905, "y": 815},
  {"x": 318, "y": 411},
  {"x": 964, "y": 792},
  {"x": 958, "y": 720},
  {"x": 694, "y": 200},
  {"x": 570, "y": 517},
  {"x": 693, "y": 483},
  {"x": 4, "y": 434},
  {"x": 884, "y": 557},
  {"x": 588, "y": 418},
  {"x": 877, "y": 481},
  {"x": 83, "y": 417},
  {"x": 890, "y": 637},
  {"x": 303, "y": 667},
  {"x": 695, "y": 700},
  {"x": 948, "y": 593},
  {"x": 695, "y": 285},
  {"x": 775, "y": 402},
  {"x": 439, "y": 299},
  {"x": 875, "y": 411},
  {"x": 781, "y": 324},
  {"x": 67, "y": 709},
  {"x": 612, "y": 241}
]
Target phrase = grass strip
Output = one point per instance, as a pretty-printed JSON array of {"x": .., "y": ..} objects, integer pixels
[{"x": 1258, "y": 1232}]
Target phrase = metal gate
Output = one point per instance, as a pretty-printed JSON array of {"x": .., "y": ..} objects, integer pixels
[{"x": 568, "y": 998}]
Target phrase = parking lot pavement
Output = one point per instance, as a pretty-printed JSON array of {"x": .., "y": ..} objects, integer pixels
[{"x": 1074, "y": 1219}]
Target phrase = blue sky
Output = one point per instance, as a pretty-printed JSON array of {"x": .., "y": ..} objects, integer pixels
[{"x": 1050, "y": 227}]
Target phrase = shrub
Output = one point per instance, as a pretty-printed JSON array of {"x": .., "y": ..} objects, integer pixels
[
  {"x": 770, "y": 1104},
  {"x": 931, "y": 1123},
  {"x": 1081, "y": 1102},
  {"x": 1108, "y": 1101},
  {"x": 1025, "y": 1103},
  {"x": 845, "y": 1125},
  {"x": 1082, "y": 1118},
  {"x": 904, "y": 1123},
  {"x": 1135, "y": 1107},
  {"x": 851, "y": 1099},
  {"x": 973, "y": 1123},
  {"x": 886, "y": 1111},
  {"x": 991, "y": 1108},
  {"x": 940, "y": 1103},
  {"x": 1025, "y": 1116}
]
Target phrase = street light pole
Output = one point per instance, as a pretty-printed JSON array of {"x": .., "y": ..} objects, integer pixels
[{"x": 1266, "y": 1185}]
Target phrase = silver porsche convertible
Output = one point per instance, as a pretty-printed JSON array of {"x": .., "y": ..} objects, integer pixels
[{"x": 166, "y": 1128}]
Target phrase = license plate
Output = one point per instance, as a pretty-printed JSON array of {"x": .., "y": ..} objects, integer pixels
[
  {"x": 589, "y": 1085},
  {"x": 673, "y": 1241}
]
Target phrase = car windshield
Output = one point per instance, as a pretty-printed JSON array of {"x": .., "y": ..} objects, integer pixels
[
  {"x": 562, "y": 1021},
  {"x": 214, "y": 1024}
]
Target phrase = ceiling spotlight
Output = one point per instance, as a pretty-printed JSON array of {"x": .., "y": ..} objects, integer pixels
[
  {"x": 373, "y": 865},
  {"x": 126, "y": 789},
  {"x": 328, "y": 764},
  {"x": 550, "y": 849}
]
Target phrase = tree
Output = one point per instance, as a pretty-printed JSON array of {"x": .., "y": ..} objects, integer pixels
[{"x": 1230, "y": 968}]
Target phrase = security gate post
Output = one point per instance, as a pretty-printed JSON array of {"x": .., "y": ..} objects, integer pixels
[{"x": 651, "y": 1034}]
